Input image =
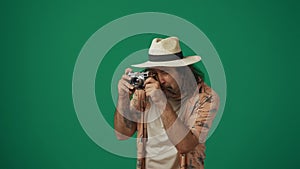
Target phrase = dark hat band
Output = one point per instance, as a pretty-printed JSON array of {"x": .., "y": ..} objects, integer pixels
[{"x": 163, "y": 58}]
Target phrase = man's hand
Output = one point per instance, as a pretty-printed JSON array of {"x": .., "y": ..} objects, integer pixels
[
  {"x": 153, "y": 90},
  {"x": 124, "y": 123},
  {"x": 124, "y": 87}
]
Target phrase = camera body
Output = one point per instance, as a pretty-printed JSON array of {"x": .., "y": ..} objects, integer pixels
[{"x": 138, "y": 78}]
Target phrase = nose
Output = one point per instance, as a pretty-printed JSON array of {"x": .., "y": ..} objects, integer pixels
[{"x": 161, "y": 79}]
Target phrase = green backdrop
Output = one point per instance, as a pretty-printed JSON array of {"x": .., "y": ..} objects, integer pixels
[{"x": 257, "y": 42}]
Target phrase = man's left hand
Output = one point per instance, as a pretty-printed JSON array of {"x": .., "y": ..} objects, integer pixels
[{"x": 153, "y": 90}]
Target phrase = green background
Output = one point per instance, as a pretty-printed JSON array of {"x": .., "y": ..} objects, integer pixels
[{"x": 257, "y": 42}]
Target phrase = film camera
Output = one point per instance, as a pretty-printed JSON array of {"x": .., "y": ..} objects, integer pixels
[{"x": 138, "y": 78}]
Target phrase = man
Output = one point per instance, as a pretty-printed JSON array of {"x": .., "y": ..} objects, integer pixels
[{"x": 172, "y": 113}]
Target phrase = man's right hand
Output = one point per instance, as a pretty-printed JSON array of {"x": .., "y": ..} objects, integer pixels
[{"x": 124, "y": 87}]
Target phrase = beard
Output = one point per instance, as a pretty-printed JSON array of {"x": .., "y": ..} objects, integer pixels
[{"x": 170, "y": 92}]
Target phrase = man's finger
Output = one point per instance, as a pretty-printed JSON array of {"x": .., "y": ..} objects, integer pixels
[
  {"x": 152, "y": 85},
  {"x": 128, "y": 85},
  {"x": 127, "y": 70},
  {"x": 149, "y": 80},
  {"x": 124, "y": 88},
  {"x": 148, "y": 94},
  {"x": 148, "y": 89},
  {"x": 126, "y": 77}
]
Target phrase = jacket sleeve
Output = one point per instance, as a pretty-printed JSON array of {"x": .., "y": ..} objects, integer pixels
[{"x": 203, "y": 114}]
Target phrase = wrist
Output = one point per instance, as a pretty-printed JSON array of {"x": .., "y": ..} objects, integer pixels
[{"x": 123, "y": 104}]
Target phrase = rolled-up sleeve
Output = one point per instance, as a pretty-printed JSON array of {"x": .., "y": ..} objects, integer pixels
[{"x": 203, "y": 115}]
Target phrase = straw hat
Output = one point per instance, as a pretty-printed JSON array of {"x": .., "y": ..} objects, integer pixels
[{"x": 167, "y": 53}]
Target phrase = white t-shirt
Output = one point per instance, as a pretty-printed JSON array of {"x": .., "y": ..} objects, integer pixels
[{"x": 160, "y": 152}]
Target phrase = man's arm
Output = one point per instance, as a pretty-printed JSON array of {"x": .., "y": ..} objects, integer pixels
[
  {"x": 178, "y": 133},
  {"x": 184, "y": 138},
  {"x": 124, "y": 127},
  {"x": 128, "y": 113},
  {"x": 123, "y": 124}
]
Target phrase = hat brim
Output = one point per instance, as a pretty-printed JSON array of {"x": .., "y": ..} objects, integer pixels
[{"x": 174, "y": 63}]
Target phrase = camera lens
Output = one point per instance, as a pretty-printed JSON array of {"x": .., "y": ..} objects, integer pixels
[{"x": 140, "y": 83}]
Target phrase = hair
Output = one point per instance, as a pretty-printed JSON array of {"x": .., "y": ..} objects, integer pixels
[
  {"x": 198, "y": 74},
  {"x": 192, "y": 76}
]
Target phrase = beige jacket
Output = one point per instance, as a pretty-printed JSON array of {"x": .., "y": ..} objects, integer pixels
[{"x": 199, "y": 114}]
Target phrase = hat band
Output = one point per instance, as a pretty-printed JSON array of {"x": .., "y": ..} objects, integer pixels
[{"x": 162, "y": 58}]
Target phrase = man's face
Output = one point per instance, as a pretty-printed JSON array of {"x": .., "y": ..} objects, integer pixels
[{"x": 166, "y": 76}]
